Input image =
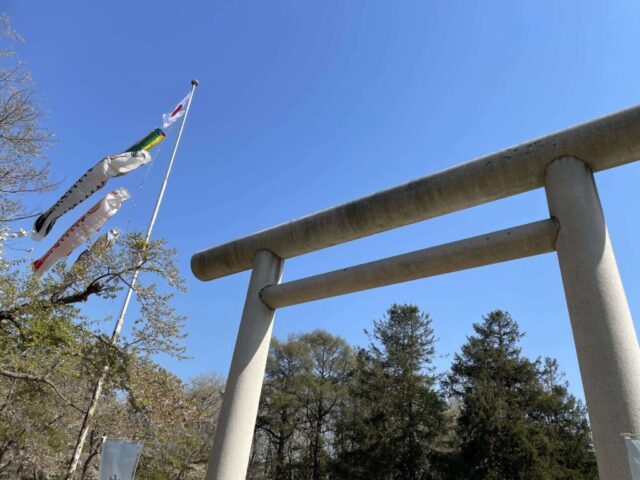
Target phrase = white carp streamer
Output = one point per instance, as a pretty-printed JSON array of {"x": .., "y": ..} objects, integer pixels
[
  {"x": 89, "y": 183},
  {"x": 82, "y": 230}
]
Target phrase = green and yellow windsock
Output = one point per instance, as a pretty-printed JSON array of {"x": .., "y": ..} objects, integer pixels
[{"x": 149, "y": 141}]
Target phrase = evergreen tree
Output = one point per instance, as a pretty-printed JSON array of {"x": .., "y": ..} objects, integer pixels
[
  {"x": 516, "y": 420},
  {"x": 395, "y": 414}
]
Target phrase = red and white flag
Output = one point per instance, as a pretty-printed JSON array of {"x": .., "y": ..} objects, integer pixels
[{"x": 169, "y": 118}]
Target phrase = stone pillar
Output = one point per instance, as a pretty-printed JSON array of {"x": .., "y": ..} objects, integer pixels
[
  {"x": 234, "y": 433},
  {"x": 603, "y": 330}
]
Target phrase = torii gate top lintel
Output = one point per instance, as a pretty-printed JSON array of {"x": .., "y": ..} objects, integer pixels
[{"x": 602, "y": 143}]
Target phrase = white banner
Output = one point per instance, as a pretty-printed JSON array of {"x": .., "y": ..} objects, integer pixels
[
  {"x": 118, "y": 460},
  {"x": 633, "y": 450}
]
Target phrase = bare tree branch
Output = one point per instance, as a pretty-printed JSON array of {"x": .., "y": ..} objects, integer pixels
[{"x": 39, "y": 379}]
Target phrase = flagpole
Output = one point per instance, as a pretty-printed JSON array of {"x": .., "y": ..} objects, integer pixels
[
  {"x": 134, "y": 279},
  {"x": 75, "y": 459}
]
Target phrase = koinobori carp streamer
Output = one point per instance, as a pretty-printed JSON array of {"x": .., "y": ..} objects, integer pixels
[
  {"x": 94, "y": 179},
  {"x": 81, "y": 230}
]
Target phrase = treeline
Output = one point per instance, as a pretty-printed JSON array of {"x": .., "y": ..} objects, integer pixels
[
  {"x": 328, "y": 410},
  {"x": 331, "y": 411}
]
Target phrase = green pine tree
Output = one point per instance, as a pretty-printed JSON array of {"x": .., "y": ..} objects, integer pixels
[
  {"x": 395, "y": 414},
  {"x": 516, "y": 420}
]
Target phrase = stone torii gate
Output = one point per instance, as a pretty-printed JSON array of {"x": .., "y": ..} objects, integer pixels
[{"x": 563, "y": 163}]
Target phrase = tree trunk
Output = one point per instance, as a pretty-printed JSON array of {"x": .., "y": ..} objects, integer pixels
[
  {"x": 86, "y": 423},
  {"x": 317, "y": 449},
  {"x": 281, "y": 471},
  {"x": 94, "y": 449}
]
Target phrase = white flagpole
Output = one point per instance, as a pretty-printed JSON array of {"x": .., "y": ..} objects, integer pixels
[{"x": 125, "y": 306}]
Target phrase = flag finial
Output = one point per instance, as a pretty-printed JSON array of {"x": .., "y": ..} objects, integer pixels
[{"x": 195, "y": 82}]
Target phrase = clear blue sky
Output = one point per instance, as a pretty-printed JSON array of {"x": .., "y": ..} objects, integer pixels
[{"x": 304, "y": 105}]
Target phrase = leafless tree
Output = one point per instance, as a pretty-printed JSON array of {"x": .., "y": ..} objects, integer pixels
[{"x": 23, "y": 141}]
